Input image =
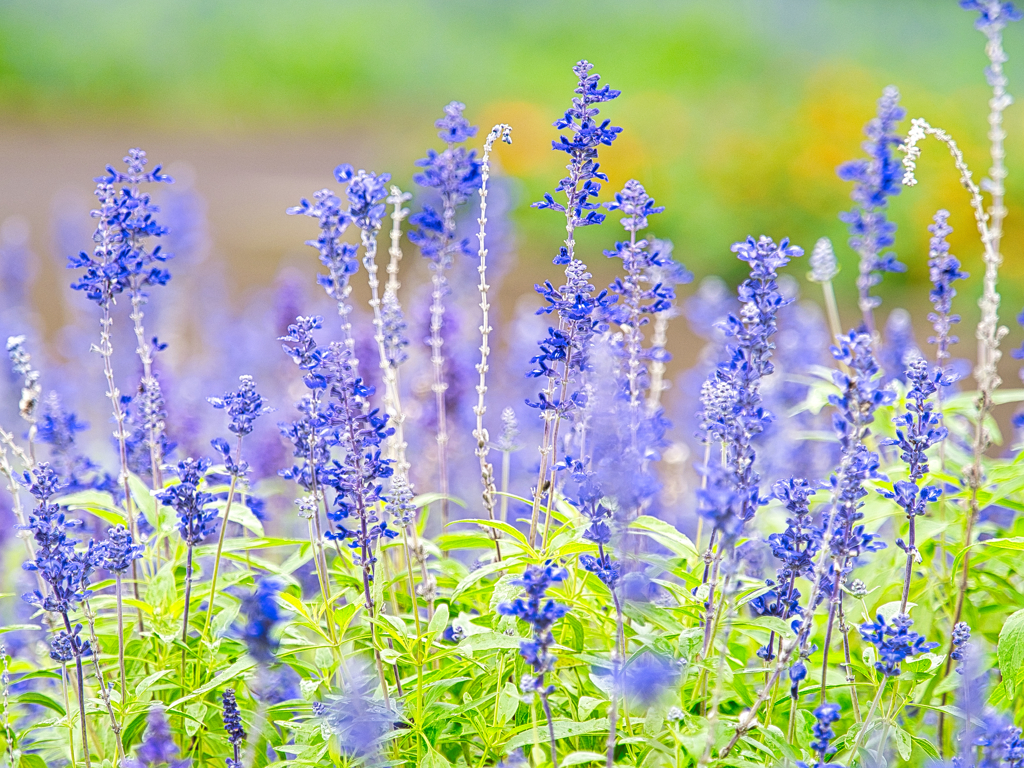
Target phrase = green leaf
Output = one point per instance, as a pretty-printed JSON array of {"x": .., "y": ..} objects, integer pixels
[
  {"x": 240, "y": 514},
  {"x": 667, "y": 535},
  {"x": 581, "y": 758},
  {"x": 19, "y": 628},
  {"x": 438, "y": 622},
  {"x": 509, "y": 700},
  {"x": 925, "y": 746},
  {"x": 31, "y": 761},
  {"x": 902, "y": 743},
  {"x": 34, "y": 697},
  {"x": 434, "y": 759},
  {"x": 1011, "y": 650},
  {"x": 488, "y": 641},
  {"x": 563, "y": 730}
]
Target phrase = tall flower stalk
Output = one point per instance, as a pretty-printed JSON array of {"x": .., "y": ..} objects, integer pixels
[
  {"x": 875, "y": 180},
  {"x": 243, "y": 406},
  {"x": 581, "y": 186},
  {"x": 196, "y": 521},
  {"x": 121, "y": 551},
  {"x": 120, "y": 262},
  {"x": 455, "y": 174},
  {"x": 504, "y": 132}
]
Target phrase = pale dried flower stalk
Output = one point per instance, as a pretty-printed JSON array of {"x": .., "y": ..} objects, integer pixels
[{"x": 504, "y": 132}]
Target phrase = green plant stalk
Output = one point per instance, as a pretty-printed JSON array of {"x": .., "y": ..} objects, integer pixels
[
  {"x": 120, "y": 639},
  {"x": 184, "y": 620},
  {"x": 220, "y": 544},
  {"x": 104, "y": 691},
  {"x": 867, "y": 720},
  {"x": 80, "y": 674}
]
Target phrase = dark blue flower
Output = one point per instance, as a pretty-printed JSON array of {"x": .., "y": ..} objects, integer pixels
[
  {"x": 338, "y": 256},
  {"x": 243, "y": 406},
  {"x": 961, "y": 638},
  {"x": 121, "y": 549},
  {"x": 586, "y": 135},
  {"x": 993, "y": 15},
  {"x": 825, "y": 715},
  {"x": 233, "y": 720},
  {"x": 121, "y": 260},
  {"x": 875, "y": 179},
  {"x": 540, "y": 612},
  {"x": 158, "y": 748},
  {"x": 262, "y": 613},
  {"x": 895, "y": 642},
  {"x": 196, "y": 517}
]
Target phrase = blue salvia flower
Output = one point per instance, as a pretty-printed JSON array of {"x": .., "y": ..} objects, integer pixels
[
  {"x": 121, "y": 549},
  {"x": 586, "y": 135},
  {"x": 993, "y": 15},
  {"x": 158, "y": 748},
  {"x": 733, "y": 487},
  {"x": 455, "y": 174},
  {"x": 894, "y": 641},
  {"x": 943, "y": 270},
  {"x": 875, "y": 179},
  {"x": 961, "y": 638},
  {"x": 357, "y": 481},
  {"x": 338, "y": 256},
  {"x": 647, "y": 678},
  {"x": 366, "y": 193},
  {"x": 564, "y": 353},
  {"x": 356, "y": 718},
  {"x": 121, "y": 260},
  {"x": 63, "y": 568},
  {"x": 636, "y": 303},
  {"x": 540, "y": 612},
  {"x": 825, "y": 715},
  {"x": 145, "y": 421},
  {"x": 860, "y": 395},
  {"x": 262, "y": 613},
  {"x": 917, "y": 430},
  {"x": 233, "y": 727},
  {"x": 196, "y": 517},
  {"x": 243, "y": 406},
  {"x": 62, "y": 647},
  {"x": 57, "y": 427},
  {"x": 795, "y": 548}
]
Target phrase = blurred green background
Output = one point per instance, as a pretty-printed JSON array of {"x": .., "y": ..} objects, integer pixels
[{"x": 735, "y": 114}]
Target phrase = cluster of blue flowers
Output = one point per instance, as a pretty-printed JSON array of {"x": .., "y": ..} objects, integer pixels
[
  {"x": 196, "y": 515},
  {"x": 262, "y": 613},
  {"x": 875, "y": 179},
  {"x": 732, "y": 494},
  {"x": 943, "y": 270},
  {"x": 895, "y": 642},
  {"x": 121, "y": 260},
  {"x": 540, "y": 612},
  {"x": 233, "y": 727}
]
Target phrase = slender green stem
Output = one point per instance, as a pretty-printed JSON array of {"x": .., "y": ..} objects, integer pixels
[{"x": 220, "y": 542}]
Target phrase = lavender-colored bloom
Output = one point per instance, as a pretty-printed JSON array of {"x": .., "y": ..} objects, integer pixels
[
  {"x": 899, "y": 347},
  {"x": 64, "y": 569},
  {"x": 121, "y": 549},
  {"x": 943, "y": 270},
  {"x": 338, "y": 256},
  {"x": 875, "y": 179},
  {"x": 732, "y": 496},
  {"x": 540, "y": 612},
  {"x": 648, "y": 677},
  {"x": 145, "y": 419},
  {"x": 823, "y": 261},
  {"x": 158, "y": 748},
  {"x": 860, "y": 395},
  {"x": 243, "y": 406},
  {"x": 515, "y": 759},
  {"x": 455, "y": 174},
  {"x": 196, "y": 517},
  {"x": 583, "y": 182},
  {"x": 993, "y": 15},
  {"x": 57, "y": 428},
  {"x": 366, "y": 193},
  {"x": 825, "y": 715},
  {"x": 961, "y": 638},
  {"x": 508, "y": 440},
  {"x": 359, "y": 721},
  {"x": 895, "y": 642},
  {"x": 121, "y": 260},
  {"x": 262, "y": 613}
]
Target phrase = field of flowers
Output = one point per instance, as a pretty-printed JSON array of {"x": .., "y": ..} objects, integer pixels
[{"x": 422, "y": 534}]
